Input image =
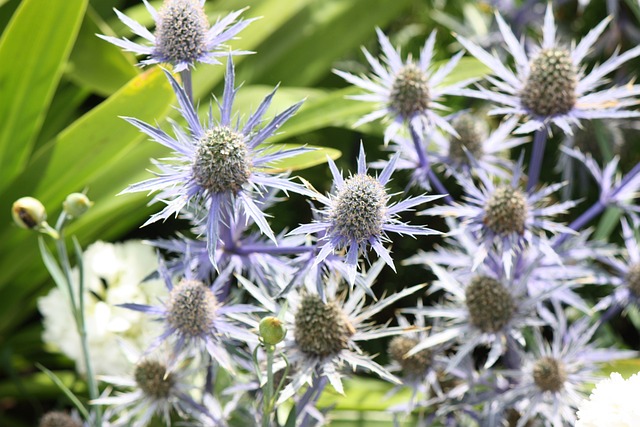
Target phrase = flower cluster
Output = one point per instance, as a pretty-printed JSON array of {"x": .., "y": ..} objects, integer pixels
[{"x": 253, "y": 324}]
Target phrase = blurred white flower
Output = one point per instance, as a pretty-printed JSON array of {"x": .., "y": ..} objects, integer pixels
[
  {"x": 613, "y": 403},
  {"x": 113, "y": 275}
]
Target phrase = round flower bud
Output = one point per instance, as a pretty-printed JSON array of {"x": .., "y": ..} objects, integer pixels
[
  {"x": 181, "y": 31},
  {"x": 272, "y": 331},
  {"x": 192, "y": 308},
  {"x": 506, "y": 211},
  {"x": 28, "y": 213},
  {"x": 415, "y": 365},
  {"x": 410, "y": 92},
  {"x": 58, "y": 419},
  {"x": 76, "y": 204}
]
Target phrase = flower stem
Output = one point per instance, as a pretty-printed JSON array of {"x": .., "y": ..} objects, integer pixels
[
  {"x": 187, "y": 83},
  {"x": 539, "y": 142},
  {"x": 78, "y": 311},
  {"x": 311, "y": 395},
  {"x": 581, "y": 221},
  {"x": 267, "y": 391},
  {"x": 425, "y": 165}
]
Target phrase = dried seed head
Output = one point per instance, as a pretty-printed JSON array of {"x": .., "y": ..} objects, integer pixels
[
  {"x": 58, "y": 419},
  {"x": 181, "y": 31},
  {"x": 222, "y": 161},
  {"x": 360, "y": 208},
  {"x": 473, "y": 133},
  {"x": 410, "y": 92},
  {"x": 633, "y": 279},
  {"x": 321, "y": 329},
  {"x": 551, "y": 86},
  {"x": 549, "y": 374},
  {"x": 506, "y": 211},
  {"x": 490, "y": 304},
  {"x": 153, "y": 379},
  {"x": 191, "y": 308},
  {"x": 413, "y": 365}
]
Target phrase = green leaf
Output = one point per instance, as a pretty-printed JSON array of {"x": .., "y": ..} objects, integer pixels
[
  {"x": 97, "y": 64},
  {"x": 625, "y": 367},
  {"x": 72, "y": 397},
  {"x": 53, "y": 267},
  {"x": 33, "y": 51}
]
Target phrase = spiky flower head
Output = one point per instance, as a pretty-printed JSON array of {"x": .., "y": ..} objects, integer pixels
[
  {"x": 321, "y": 329},
  {"x": 357, "y": 215},
  {"x": 505, "y": 217},
  {"x": 555, "y": 373},
  {"x": 153, "y": 379},
  {"x": 549, "y": 374},
  {"x": 549, "y": 84},
  {"x": 183, "y": 36},
  {"x": 221, "y": 162},
  {"x": 407, "y": 92},
  {"x": 472, "y": 134},
  {"x": 491, "y": 305},
  {"x": 414, "y": 365},
  {"x": 328, "y": 328},
  {"x": 506, "y": 210},
  {"x": 181, "y": 28},
  {"x": 58, "y": 419},
  {"x": 195, "y": 318},
  {"x": 218, "y": 166},
  {"x": 360, "y": 208},
  {"x": 550, "y": 88},
  {"x": 191, "y": 308}
]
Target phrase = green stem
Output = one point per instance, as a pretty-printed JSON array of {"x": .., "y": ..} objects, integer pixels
[
  {"x": 268, "y": 388},
  {"x": 78, "y": 312}
]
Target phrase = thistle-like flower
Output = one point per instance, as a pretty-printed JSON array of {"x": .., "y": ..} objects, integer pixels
[
  {"x": 555, "y": 375},
  {"x": 550, "y": 84},
  {"x": 491, "y": 309},
  {"x": 218, "y": 164},
  {"x": 505, "y": 217},
  {"x": 156, "y": 391},
  {"x": 323, "y": 335},
  {"x": 475, "y": 147},
  {"x": 182, "y": 35},
  {"x": 195, "y": 318},
  {"x": 358, "y": 215},
  {"x": 408, "y": 92}
]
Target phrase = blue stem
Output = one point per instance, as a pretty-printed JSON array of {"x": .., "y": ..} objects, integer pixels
[
  {"x": 539, "y": 142},
  {"x": 187, "y": 84},
  {"x": 424, "y": 164},
  {"x": 312, "y": 394},
  {"x": 625, "y": 180},
  {"x": 581, "y": 221}
]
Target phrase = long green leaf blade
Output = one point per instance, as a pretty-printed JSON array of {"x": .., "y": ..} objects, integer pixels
[{"x": 33, "y": 50}]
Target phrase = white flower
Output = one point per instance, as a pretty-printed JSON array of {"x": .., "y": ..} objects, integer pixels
[
  {"x": 613, "y": 403},
  {"x": 113, "y": 275}
]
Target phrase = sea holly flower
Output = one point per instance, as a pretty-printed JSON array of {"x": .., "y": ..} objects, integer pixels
[
  {"x": 218, "y": 164},
  {"x": 489, "y": 309},
  {"x": 549, "y": 84},
  {"x": 408, "y": 92},
  {"x": 195, "y": 318},
  {"x": 554, "y": 375},
  {"x": 156, "y": 391},
  {"x": 324, "y": 334},
  {"x": 182, "y": 36},
  {"x": 476, "y": 147},
  {"x": 505, "y": 217},
  {"x": 357, "y": 215}
]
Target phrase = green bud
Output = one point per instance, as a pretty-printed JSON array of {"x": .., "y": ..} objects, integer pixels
[
  {"x": 29, "y": 213},
  {"x": 76, "y": 204},
  {"x": 271, "y": 330}
]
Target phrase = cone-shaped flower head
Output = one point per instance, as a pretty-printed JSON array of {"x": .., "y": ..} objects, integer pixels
[
  {"x": 408, "y": 91},
  {"x": 183, "y": 36},
  {"x": 218, "y": 164},
  {"x": 358, "y": 215},
  {"x": 550, "y": 84}
]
